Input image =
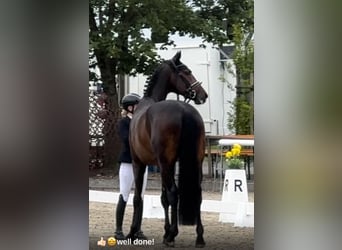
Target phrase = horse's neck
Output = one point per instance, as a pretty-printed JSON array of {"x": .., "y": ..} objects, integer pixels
[
  {"x": 159, "y": 92},
  {"x": 161, "y": 83}
]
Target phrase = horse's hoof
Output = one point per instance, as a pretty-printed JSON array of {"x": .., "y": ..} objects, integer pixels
[
  {"x": 129, "y": 236},
  {"x": 169, "y": 243},
  {"x": 200, "y": 244}
]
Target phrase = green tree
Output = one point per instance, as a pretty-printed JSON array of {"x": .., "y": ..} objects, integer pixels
[
  {"x": 117, "y": 45},
  {"x": 241, "y": 118},
  {"x": 224, "y": 14}
]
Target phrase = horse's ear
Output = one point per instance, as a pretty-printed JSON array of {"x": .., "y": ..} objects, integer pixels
[{"x": 177, "y": 56}]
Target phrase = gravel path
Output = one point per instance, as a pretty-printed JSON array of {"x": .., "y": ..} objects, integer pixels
[{"x": 216, "y": 234}]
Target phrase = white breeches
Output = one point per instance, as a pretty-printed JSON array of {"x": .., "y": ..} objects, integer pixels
[{"x": 126, "y": 180}]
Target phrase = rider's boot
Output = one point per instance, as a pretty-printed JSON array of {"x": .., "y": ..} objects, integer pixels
[{"x": 120, "y": 211}]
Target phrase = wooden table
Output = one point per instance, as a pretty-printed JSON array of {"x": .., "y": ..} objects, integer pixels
[{"x": 212, "y": 140}]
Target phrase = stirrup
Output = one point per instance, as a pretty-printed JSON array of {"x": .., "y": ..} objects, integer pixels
[{"x": 119, "y": 235}]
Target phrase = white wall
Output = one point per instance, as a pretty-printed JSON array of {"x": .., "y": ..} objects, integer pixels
[{"x": 207, "y": 68}]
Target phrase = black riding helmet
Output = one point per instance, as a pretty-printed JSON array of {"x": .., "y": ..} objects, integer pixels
[{"x": 130, "y": 100}]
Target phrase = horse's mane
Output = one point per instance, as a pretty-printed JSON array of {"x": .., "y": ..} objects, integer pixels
[{"x": 152, "y": 80}]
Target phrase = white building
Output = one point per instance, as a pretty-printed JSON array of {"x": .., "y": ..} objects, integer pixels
[{"x": 208, "y": 65}]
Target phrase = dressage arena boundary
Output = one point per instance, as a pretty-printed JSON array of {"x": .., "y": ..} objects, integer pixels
[{"x": 239, "y": 213}]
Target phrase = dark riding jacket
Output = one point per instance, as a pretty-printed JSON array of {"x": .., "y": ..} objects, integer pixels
[{"x": 123, "y": 130}]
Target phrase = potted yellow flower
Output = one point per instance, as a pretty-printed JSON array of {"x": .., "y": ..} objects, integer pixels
[{"x": 232, "y": 158}]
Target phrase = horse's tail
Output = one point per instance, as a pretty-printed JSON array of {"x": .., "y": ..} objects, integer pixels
[{"x": 190, "y": 170}]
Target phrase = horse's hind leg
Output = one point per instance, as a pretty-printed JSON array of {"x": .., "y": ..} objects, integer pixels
[
  {"x": 170, "y": 197},
  {"x": 199, "y": 230},
  {"x": 165, "y": 204},
  {"x": 199, "y": 227}
]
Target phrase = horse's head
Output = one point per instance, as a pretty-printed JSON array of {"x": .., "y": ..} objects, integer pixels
[{"x": 184, "y": 83}]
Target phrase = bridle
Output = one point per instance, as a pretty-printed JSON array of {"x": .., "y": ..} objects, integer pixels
[{"x": 190, "y": 92}]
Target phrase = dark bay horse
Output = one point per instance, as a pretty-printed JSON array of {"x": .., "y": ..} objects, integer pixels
[{"x": 162, "y": 132}]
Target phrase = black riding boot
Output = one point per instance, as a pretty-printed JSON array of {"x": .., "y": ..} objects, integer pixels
[{"x": 120, "y": 211}]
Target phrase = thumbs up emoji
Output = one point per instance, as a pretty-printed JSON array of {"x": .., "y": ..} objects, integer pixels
[{"x": 101, "y": 242}]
